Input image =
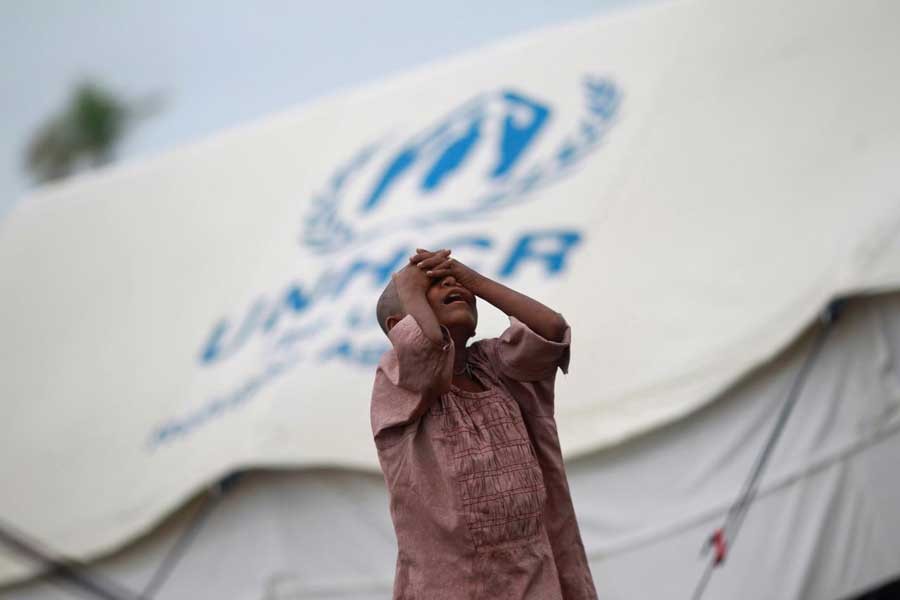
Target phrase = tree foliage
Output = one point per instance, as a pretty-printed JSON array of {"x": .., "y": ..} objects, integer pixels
[{"x": 86, "y": 133}]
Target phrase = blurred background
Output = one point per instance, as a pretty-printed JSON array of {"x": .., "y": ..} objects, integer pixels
[
  {"x": 733, "y": 263},
  {"x": 173, "y": 72}
]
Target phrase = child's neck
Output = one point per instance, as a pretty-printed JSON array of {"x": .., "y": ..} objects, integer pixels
[
  {"x": 463, "y": 378},
  {"x": 461, "y": 353}
]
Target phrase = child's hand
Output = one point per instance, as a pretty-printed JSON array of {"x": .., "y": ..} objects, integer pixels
[
  {"x": 427, "y": 261},
  {"x": 412, "y": 287},
  {"x": 439, "y": 264},
  {"x": 412, "y": 278}
]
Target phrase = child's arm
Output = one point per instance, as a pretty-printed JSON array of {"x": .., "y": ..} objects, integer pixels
[
  {"x": 539, "y": 318},
  {"x": 412, "y": 283}
]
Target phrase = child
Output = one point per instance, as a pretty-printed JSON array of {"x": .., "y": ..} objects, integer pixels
[{"x": 467, "y": 441}]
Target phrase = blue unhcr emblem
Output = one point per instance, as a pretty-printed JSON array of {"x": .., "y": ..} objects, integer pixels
[
  {"x": 500, "y": 130},
  {"x": 486, "y": 155}
]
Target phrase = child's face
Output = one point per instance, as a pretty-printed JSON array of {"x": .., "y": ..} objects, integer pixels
[{"x": 453, "y": 305}]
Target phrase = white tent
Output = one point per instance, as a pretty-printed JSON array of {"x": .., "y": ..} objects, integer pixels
[
  {"x": 824, "y": 524},
  {"x": 689, "y": 185}
]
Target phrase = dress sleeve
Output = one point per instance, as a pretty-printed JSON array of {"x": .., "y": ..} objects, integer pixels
[
  {"x": 410, "y": 376},
  {"x": 526, "y": 356}
]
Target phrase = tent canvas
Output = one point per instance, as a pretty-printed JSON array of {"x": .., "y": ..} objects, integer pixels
[
  {"x": 822, "y": 527},
  {"x": 687, "y": 184}
]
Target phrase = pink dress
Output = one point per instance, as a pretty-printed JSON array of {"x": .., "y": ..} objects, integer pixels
[{"x": 478, "y": 490}]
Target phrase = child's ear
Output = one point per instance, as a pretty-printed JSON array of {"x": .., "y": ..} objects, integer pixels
[{"x": 391, "y": 321}]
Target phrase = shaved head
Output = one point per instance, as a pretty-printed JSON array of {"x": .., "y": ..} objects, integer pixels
[{"x": 388, "y": 305}]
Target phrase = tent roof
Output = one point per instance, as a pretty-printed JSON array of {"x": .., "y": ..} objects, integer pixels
[{"x": 689, "y": 185}]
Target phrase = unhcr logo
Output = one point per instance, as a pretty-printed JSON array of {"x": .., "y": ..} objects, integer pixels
[
  {"x": 487, "y": 155},
  {"x": 483, "y": 156}
]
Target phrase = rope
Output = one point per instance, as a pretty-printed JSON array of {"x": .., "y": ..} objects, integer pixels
[
  {"x": 76, "y": 574},
  {"x": 71, "y": 572},
  {"x": 188, "y": 535},
  {"x": 725, "y": 536}
]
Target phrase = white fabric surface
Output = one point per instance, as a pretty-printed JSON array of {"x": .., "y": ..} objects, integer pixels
[
  {"x": 824, "y": 526},
  {"x": 707, "y": 175}
]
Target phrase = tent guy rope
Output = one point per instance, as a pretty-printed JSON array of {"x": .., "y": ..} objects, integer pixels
[
  {"x": 723, "y": 538},
  {"x": 78, "y": 575}
]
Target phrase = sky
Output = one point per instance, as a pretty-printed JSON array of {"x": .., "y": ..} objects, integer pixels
[{"x": 220, "y": 63}]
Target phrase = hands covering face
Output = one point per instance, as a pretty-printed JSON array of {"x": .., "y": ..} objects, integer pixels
[
  {"x": 426, "y": 267},
  {"x": 421, "y": 270},
  {"x": 434, "y": 264},
  {"x": 438, "y": 265}
]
